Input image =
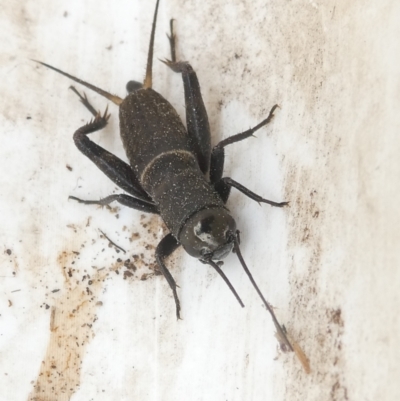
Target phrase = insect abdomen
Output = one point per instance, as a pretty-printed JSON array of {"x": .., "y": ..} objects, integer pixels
[{"x": 149, "y": 127}]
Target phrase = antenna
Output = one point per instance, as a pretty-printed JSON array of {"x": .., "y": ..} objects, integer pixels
[
  {"x": 279, "y": 329},
  {"x": 221, "y": 273}
]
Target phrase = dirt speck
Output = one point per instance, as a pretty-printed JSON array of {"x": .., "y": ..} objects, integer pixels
[
  {"x": 127, "y": 274},
  {"x": 336, "y": 317}
]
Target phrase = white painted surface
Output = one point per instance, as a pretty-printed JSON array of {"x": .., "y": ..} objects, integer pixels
[{"x": 332, "y": 150}]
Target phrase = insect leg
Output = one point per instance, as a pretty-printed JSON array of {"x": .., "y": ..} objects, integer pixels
[
  {"x": 165, "y": 248},
  {"x": 223, "y": 185},
  {"x": 123, "y": 199},
  {"x": 197, "y": 123},
  {"x": 218, "y": 152},
  {"x": 114, "y": 168},
  {"x": 227, "y": 182}
]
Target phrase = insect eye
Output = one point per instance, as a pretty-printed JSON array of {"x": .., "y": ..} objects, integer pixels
[{"x": 229, "y": 234}]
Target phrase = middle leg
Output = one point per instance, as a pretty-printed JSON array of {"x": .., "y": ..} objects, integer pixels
[
  {"x": 218, "y": 152},
  {"x": 223, "y": 185},
  {"x": 123, "y": 199}
]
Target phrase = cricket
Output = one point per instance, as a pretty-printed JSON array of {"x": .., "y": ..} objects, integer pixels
[{"x": 173, "y": 171}]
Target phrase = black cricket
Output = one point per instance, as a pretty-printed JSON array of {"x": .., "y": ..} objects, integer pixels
[{"x": 173, "y": 171}]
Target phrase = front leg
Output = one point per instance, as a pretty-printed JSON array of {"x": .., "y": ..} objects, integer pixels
[
  {"x": 165, "y": 248},
  {"x": 224, "y": 186}
]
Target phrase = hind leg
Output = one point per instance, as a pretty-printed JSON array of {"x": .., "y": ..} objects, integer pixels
[
  {"x": 196, "y": 115},
  {"x": 114, "y": 168}
]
